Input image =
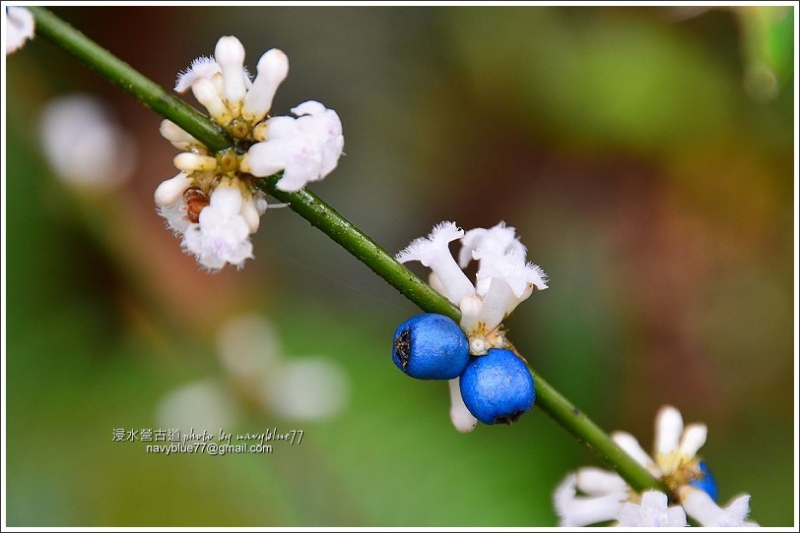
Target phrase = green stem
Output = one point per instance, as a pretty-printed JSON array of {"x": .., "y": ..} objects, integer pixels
[
  {"x": 326, "y": 219},
  {"x": 55, "y": 30},
  {"x": 590, "y": 435}
]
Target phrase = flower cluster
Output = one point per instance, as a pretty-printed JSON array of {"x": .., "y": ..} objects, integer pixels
[
  {"x": 504, "y": 279},
  {"x": 214, "y": 203},
  {"x": 606, "y": 497}
]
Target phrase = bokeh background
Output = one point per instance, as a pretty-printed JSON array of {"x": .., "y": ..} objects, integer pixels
[{"x": 645, "y": 156}]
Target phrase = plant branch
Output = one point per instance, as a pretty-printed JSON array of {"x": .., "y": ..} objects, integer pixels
[{"x": 327, "y": 220}]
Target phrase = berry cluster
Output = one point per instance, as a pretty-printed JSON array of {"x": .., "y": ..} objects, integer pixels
[{"x": 496, "y": 387}]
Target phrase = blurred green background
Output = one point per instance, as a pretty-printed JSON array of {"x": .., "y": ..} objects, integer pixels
[{"x": 645, "y": 156}]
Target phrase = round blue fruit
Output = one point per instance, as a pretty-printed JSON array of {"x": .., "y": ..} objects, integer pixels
[
  {"x": 430, "y": 346},
  {"x": 497, "y": 388},
  {"x": 707, "y": 482}
]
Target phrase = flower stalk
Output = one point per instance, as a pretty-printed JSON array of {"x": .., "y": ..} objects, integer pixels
[{"x": 335, "y": 226}]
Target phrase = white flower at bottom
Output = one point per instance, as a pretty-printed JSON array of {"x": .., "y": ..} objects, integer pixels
[
  {"x": 19, "y": 27},
  {"x": 702, "y": 508},
  {"x": 606, "y": 496},
  {"x": 222, "y": 234},
  {"x": 676, "y": 461},
  {"x": 653, "y": 512},
  {"x": 196, "y": 407}
]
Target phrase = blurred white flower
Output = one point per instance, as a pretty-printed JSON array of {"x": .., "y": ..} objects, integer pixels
[
  {"x": 605, "y": 496},
  {"x": 652, "y": 512},
  {"x": 701, "y": 507},
  {"x": 84, "y": 144},
  {"x": 202, "y": 405},
  {"x": 257, "y": 374},
  {"x": 307, "y": 388},
  {"x": 19, "y": 27},
  {"x": 301, "y": 388},
  {"x": 298, "y": 388},
  {"x": 248, "y": 347}
]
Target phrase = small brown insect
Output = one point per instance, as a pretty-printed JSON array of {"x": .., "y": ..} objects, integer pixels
[{"x": 195, "y": 200}]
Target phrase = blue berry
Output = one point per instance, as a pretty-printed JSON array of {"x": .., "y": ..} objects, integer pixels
[
  {"x": 706, "y": 483},
  {"x": 497, "y": 387},
  {"x": 430, "y": 346}
]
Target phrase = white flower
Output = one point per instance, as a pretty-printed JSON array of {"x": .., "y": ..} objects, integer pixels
[
  {"x": 460, "y": 416},
  {"x": 179, "y": 138},
  {"x": 504, "y": 278},
  {"x": 169, "y": 198},
  {"x": 222, "y": 234},
  {"x": 230, "y": 57},
  {"x": 479, "y": 242},
  {"x": 84, "y": 143},
  {"x": 170, "y": 192},
  {"x": 605, "y": 495},
  {"x": 433, "y": 252},
  {"x": 175, "y": 215},
  {"x": 208, "y": 68},
  {"x": 675, "y": 446},
  {"x": 653, "y": 512},
  {"x": 19, "y": 27},
  {"x": 272, "y": 70},
  {"x": 202, "y": 67},
  {"x": 306, "y": 148},
  {"x": 701, "y": 507}
]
